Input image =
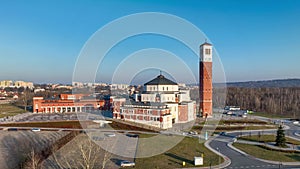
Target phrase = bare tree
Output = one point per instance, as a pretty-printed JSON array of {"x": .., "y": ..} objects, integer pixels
[
  {"x": 33, "y": 161},
  {"x": 89, "y": 154},
  {"x": 25, "y": 98},
  {"x": 84, "y": 154}
]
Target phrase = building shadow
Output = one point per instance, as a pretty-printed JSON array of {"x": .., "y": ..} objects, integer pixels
[{"x": 179, "y": 158}]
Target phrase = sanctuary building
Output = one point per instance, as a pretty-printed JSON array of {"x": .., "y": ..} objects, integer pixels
[{"x": 161, "y": 104}]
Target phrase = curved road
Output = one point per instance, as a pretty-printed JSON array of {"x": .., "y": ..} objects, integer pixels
[{"x": 243, "y": 161}]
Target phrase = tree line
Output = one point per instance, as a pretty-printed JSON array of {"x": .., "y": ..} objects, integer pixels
[
  {"x": 278, "y": 101},
  {"x": 273, "y": 100}
]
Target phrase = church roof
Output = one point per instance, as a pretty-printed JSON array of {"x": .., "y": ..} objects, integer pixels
[{"x": 160, "y": 80}]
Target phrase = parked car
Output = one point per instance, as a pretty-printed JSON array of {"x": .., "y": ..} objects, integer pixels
[
  {"x": 127, "y": 164},
  {"x": 132, "y": 135},
  {"x": 110, "y": 134},
  {"x": 12, "y": 129},
  {"x": 35, "y": 129},
  {"x": 223, "y": 133}
]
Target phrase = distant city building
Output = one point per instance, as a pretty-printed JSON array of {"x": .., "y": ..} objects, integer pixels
[
  {"x": 6, "y": 83},
  {"x": 39, "y": 90},
  {"x": 17, "y": 84},
  {"x": 59, "y": 86},
  {"x": 118, "y": 86},
  {"x": 160, "y": 105},
  {"x": 77, "y": 84},
  {"x": 205, "y": 84},
  {"x": 23, "y": 84}
]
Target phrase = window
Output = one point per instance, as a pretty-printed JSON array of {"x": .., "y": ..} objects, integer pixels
[{"x": 207, "y": 51}]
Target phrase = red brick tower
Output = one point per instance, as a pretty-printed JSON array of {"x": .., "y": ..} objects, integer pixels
[{"x": 205, "y": 80}]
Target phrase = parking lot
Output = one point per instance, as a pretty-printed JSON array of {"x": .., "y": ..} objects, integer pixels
[{"x": 32, "y": 117}]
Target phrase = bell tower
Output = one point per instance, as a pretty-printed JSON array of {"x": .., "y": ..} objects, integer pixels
[{"x": 205, "y": 80}]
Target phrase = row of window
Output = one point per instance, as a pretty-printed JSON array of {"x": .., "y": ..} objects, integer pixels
[
  {"x": 130, "y": 111},
  {"x": 144, "y": 118},
  {"x": 163, "y": 88}
]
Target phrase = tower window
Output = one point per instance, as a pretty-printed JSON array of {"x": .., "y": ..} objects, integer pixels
[{"x": 207, "y": 51}]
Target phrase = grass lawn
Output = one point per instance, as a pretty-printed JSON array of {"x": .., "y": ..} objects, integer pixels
[
  {"x": 263, "y": 153},
  {"x": 173, "y": 158},
  {"x": 268, "y": 138},
  {"x": 10, "y": 110},
  {"x": 249, "y": 120},
  {"x": 232, "y": 128},
  {"x": 269, "y": 115}
]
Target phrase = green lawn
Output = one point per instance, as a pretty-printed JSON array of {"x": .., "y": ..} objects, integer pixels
[
  {"x": 260, "y": 152},
  {"x": 268, "y": 138},
  {"x": 10, "y": 110},
  {"x": 173, "y": 158},
  {"x": 270, "y": 115},
  {"x": 221, "y": 128},
  {"x": 248, "y": 120}
]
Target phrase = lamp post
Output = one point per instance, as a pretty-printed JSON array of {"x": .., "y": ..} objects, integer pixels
[{"x": 219, "y": 154}]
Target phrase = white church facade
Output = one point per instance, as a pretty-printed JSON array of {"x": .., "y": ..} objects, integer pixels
[{"x": 161, "y": 104}]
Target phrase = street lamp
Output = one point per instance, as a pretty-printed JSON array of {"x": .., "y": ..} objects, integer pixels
[{"x": 219, "y": 154}]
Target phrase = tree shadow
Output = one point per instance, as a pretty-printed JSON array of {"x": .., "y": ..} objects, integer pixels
[
  {"x": 173, "y": 161},
  {"x": 179, "y": 158},
  {"x": 295, "y": 156}
]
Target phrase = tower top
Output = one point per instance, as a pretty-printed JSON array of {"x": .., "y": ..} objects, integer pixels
[{"x": 206, "y": 43}]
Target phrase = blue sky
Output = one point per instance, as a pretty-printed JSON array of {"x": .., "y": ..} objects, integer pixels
[{"x": 256, "y": 39}]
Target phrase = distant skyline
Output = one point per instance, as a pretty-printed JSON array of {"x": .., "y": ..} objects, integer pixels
[{"x": 256, "y": 40}]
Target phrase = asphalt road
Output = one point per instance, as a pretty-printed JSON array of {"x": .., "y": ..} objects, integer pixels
[{"x": 239, "y": 160}]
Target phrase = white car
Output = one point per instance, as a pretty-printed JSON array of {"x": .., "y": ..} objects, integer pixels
[
  {"x": 35, "y": 129},
  {"x": 127, "y": 164},
  {"x": 110, "y": 134}
]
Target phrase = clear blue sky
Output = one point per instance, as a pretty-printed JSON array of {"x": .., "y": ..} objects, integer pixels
[{"x": 255, "y": 39}]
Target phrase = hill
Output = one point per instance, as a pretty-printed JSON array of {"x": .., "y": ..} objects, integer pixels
[{"x": 263, "y": 84}]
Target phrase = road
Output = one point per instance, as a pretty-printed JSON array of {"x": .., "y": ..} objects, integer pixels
[{"x": 239, "y": 160}]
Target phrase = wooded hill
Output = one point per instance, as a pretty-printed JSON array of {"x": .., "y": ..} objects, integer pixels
[
  {"x": 265, "y": 83},
  {"x": 276, "y": 97}
]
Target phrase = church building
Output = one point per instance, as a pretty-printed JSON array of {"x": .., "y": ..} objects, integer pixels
[{"x": 161, "y": 104}]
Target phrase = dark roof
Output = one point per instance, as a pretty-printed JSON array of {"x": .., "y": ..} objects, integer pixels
[
  {"x": 205, "y": 43},
  {"x": 160, "y": 80}
]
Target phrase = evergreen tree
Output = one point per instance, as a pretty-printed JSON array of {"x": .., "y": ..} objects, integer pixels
[{"x": 280, "y": 137}]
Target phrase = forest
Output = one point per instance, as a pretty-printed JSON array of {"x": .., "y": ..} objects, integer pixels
[
  {"x": 284, "y": 101},
  {"x": 278, "y": 101}
]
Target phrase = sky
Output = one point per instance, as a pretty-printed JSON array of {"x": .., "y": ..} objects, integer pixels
[{"x": 40, "y": 41}]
